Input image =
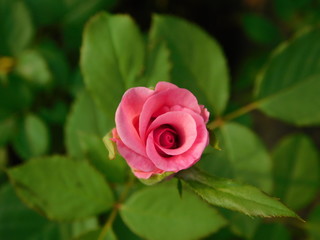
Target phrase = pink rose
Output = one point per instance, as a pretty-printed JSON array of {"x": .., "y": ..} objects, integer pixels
[{"x": 161, "y": 130}]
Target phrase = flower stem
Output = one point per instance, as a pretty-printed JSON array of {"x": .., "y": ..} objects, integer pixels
[
  {"x": 116, "y": 208},
  {"x": 221, "y": 120}
]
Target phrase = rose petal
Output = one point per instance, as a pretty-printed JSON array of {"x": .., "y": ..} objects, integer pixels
[
  {"x": 184, "y": 160},
  {"x": 127, "y": 117},
  {"x": 135, "y": 160},
  {"x": 145, "y": 175},
  {"x": 164, "y": 86},
  {"x": 204, "y": 113},
  {"x": 185, "y": 126},
  {"x": 166, "y": 98}
]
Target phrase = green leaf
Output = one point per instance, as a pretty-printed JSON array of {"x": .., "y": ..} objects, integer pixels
[
  {"x": 312, "y": 225},
  {"x": 19, "y": 222},
  {"x": 198, "y": 61},
  {"x": 33, "y": 67},
  {"x": 16, "y": 29},
  {"x": 85, "y": 118},
  {"x": 57, "y": 63},
  {"x": 243, "y": 157},
  {"x": 112, "y": 57},
  {"x": 93, "y": 149},
  {"x": 158, "y": 65},
  {"x": 7, "y": 129},
  {"x": 234, "y": 195},
  {"x": 260, "y": 29},
  {"x": 16, "y": 95},
  {"x": 94, "y": 234},
  {"x": 47, "y": 12},
  {"x": 289, "y": 85},
  {"x": 61, "y": 188},
  {"x": 273, "y": 231},
  {"x": 159, "y": 213},
  {"x": 85, "y": 128},
  {"x": 296, "y": 171},
  {"x": 32, "y": 139}
]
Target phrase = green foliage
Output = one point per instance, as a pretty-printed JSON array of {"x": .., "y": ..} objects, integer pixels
[
  {"x": 246, "y": 161},
  {"x": 116, "y": 45},
  {"x": 292, "y": 72},
  {"x": 182, "y": 218},
  {"x": 16, "y": 29},
  {"x": 234, "y": 195},
  {"x": 76, "y": 189},
  {"x": 64, "y": 66},
  {"x": 296, "y": 171},
  {"x": 198, "y": 62},
  {"x": 32, "y": 139}
]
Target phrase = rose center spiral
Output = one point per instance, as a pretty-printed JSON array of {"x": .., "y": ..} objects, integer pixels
[{"x": 167, "y": 137}]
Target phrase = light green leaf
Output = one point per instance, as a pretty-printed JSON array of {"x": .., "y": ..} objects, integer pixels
[
  {"x": 93, "y": 149},
  {"x": 159, "y": 213},
  {"x": 296, "y": 171},
  {"x": 85, "y": 118},
  {"x": 234, "y": 195},
  {"x": 112, "y": 57},
  {"x": 85, "y": 128},
  {"x": 16, "y": 29},
  {"x": 289, "y": 86},
  {"x": 243, "y": 157},
  {"x": 33, "y": 67},
  {"x": 198, "y": 61},
  {"x": 260, "y": 29},
  {"x": 158, "y": 65},
  {"x": 110, "y": 145},
  {"x": 61, "y": 188},
  {"x": 32, "y": 139}
]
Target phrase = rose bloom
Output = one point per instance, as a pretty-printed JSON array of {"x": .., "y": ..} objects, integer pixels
[{"x": 161, "y": 130}]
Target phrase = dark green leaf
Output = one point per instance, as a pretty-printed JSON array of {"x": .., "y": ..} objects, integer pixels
[
  {"x": 261, "y": 29},
  {"x": 289, "y": 86},
  {"x": 112, "y": 57},
  {"x": 19, "y": 222},
  {"x": 61, "y": 188},
  {"x": 296, "y": 171},
  {"x": 312, "y": 225},
  {"x": 7, "y": 129},
  {"x": 159, "y": 213},
  {"x": 198, "y": 61},
  {"x": 272, "y": 231},
  {"x": 32, "y": 139},
  {"x": 94, "y": 235},
  {"x": 15, "y": 97},
  {"x": 234, "y": 195},
  {"x": 16, "y": 30}
]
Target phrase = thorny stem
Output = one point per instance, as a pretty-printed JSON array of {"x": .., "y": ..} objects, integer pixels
[
  {"x": 116, "y": 208},
  {"x": 221, "y": 120}
]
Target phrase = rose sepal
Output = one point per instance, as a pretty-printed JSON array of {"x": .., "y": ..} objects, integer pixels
[{"x": 156, "y": 178}]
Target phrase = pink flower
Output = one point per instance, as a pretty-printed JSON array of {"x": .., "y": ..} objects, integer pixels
[{"x": 161, "y": 130}]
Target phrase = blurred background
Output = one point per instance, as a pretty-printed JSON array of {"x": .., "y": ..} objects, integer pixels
[{"x": 40, "y": 42}]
